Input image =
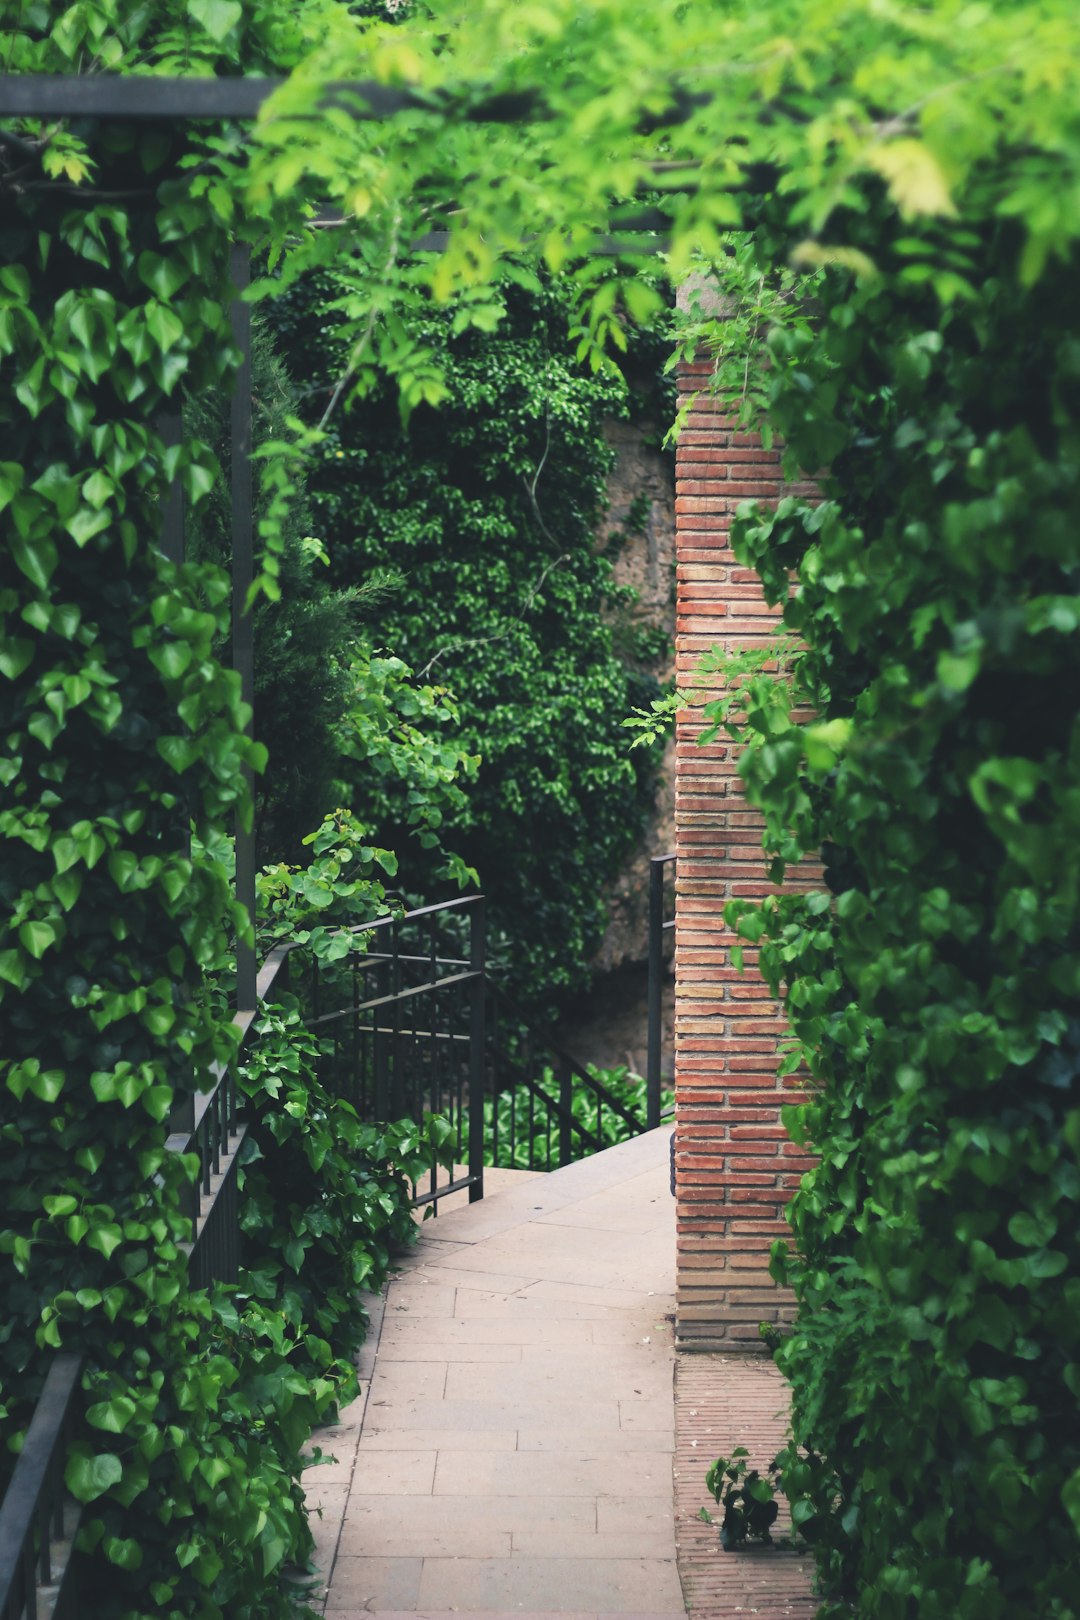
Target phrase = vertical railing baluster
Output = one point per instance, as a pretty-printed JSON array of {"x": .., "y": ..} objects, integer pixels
[
  {"x": 477, "y": 1008},
  {"x": 243, "y": 635},
  {"x": 354, "y": 1074},
  {"x": 493, "y": 1083},
  {"x": 657, "y": 869},
  {"x": 44, "y": 1560},
  {"x": 379, "y": 1025},
  {"x": 531, "y": 1110},
  {"x": 30, "y": 1582},
  {"x": 395, "y": 1021},
  {"x": 566, "y": 1149}
]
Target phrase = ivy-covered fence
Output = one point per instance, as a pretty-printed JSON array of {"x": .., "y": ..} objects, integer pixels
[{"x": 125, "y": 740}]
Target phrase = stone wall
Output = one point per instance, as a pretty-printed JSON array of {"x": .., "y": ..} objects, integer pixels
[
  {"x": 609, "y": 1025},
  {"x": 735, "y": 1166}
]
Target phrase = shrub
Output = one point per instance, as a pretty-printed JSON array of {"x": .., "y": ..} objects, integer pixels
[
  {"x": 487, "y": 506},
  {"x": 932, "y": 981}
]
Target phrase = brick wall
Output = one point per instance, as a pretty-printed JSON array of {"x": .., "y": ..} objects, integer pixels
[{"x": 735, "y": 1167}]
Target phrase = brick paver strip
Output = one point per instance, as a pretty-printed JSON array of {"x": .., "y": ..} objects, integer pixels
[{"x": 722, "y": 1402}]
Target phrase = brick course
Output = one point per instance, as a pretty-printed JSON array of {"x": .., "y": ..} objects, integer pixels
[{"x": 735, "y": 1168}]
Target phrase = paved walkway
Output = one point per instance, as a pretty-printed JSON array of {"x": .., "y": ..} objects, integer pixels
[{"x": 511, "y": 1451}]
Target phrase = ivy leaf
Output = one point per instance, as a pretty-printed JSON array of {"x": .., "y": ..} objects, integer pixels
[
  {"x": 105, "y": 1239},
  {"x": 123, "y": 1551},
  {"x": 15, "y": 655},
  {"x": 218, "y": 17},
  {"x": 1070, "y": 1498},
  {"x": 11, "y": 481},
  {"x": 88, "y": 1477},
  {"x": 36, "y": 937},
  {"x": 1032, "y": 1231},
  {"x": 60, "y": 1204},
  {"x": 113, "y": 1415}
]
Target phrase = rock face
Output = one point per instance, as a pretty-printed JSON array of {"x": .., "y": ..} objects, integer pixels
[
  {"x": 609, "y": 1026},
  {"x": 639, "y": 536}
]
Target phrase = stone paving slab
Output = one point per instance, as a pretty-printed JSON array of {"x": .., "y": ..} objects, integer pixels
[
  {"x": 547, "y": 1473},
  {"x": 492, "y": 1412},
  {"x": 521, "y": 1387},
  {"x": 595, "y": 1442},
  {"x": 621, "y": 1584},
  {"x": 398, "y": 1336},
  {"x": 373, "y": 1518},
  {"x": 402, "y": 1348},
  {"x": 507, "y": 1614}
]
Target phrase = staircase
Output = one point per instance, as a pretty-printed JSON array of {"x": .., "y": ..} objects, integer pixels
[{"x": 411, "y": 1021}]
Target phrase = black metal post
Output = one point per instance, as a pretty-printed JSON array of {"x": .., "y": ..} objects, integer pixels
[
  {"x": 566, "y": 1100},
  {"x": 656, "y": 984},
  {"x": 243, "y": 568},
  {"x": 477, "y": 1009},
  {"x": 170, "y": 426},
  {"x": 35, "y": 1492}
]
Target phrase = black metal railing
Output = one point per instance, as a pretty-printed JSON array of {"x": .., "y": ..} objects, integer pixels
[
  {"x": 212, "y": 1125},
  {"x": 38, "y": 1518},
  {"x": 400, "y": 1017},
  {"x": 661, "y": 930},
  {"x": 410, "y": 1022},
  {"x": 531, "y": 1087}
]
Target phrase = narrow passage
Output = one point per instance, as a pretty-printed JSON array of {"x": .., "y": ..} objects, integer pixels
[{"x": 511, "y": 1452}]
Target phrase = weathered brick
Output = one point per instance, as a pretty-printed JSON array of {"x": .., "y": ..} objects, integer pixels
[{"x": 735, "y": 1166}]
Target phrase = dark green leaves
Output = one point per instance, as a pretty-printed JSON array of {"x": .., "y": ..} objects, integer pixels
[{"x": 88, "y": 1476}]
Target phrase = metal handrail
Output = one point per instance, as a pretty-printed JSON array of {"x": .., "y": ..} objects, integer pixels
[
  {"x": 563, "y": 1059},
  {"x": 395, "y": 1018},
  {"x": 212, "y": 1125},
  {"x": 38, "y": 1520}
]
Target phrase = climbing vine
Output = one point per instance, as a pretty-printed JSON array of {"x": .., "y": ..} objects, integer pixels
[
  {"x": 924, "y": 157},
  {"x": 931, "y": 982},
  {"x": 123, "y": 753}
]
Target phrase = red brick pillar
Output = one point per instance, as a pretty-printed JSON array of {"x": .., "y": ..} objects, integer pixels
[{"x": 735, "y": 1166}]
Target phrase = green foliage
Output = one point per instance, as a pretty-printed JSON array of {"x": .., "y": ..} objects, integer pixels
[
  {"x": 306, "y": 635},
  {"x": 760, "y": 298},
  {"x": 539, "y": 1149},
  {"x": 338, "y": 888},
  {"x": 924, "y": 158},
  {"x": 931, "y": 984},
  {"x": 121, "y": 730},
  {"x": 340, "y": 722},
  {"x": 400, "y": 756},
  {"x": 748, "y": 1501},
  {"x": 325, "y": 1196},
  {"x": 487, "y": 507}
]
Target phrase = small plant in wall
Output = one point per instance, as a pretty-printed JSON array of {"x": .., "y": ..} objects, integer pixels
[{"x": 748, "y": 1500}]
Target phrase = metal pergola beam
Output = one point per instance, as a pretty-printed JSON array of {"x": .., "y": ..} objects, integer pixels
[
  {"x": 115, "y": 95},
  {"x": 156, "y": 96}
]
